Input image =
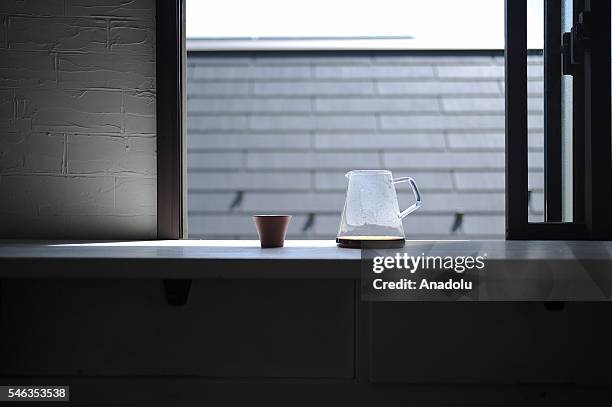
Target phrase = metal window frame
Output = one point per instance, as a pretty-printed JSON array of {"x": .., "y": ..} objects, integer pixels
[
  {"x": 515, "y": 65},
  {"x": 552, "y": 112},
  {"x": 578, "y": 126},
  {"x": 592, "y": 144},
  {"x": 170, "y": 71},
  {"x": 597, "y": 142}
]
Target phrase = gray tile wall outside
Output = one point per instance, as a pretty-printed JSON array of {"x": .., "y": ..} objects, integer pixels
[
  {"x": 373, "y": 141},
  {"x": 373, "y": 71},
  {"x": 248, "y": 105},
  {"x": 488, "y": 105},
  {"x": 219, "y": 180},
  {"x": 312, "y": 122},
  {"x": 227, "y": 141},
  {"x": 377, "y": 104},
  {"x": 312, "y": 160},
  {"x": 235, "y": 226},
  {"x": 471, "y": 72},
  {"x": 212, "y": 202},
  {"x": 211, "y": 161},
  {"x": 197, "y": 90},
  {"x": 273, "y": 133},
  {"x": 214, "y": 73},
  {"x": 314, "y": 88},
  {"x": 77, "y": 119},
  {"x": 438, "y": 88}
]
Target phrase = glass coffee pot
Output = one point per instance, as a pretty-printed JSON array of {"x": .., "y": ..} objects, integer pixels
[{"x": 371, "y": 213}]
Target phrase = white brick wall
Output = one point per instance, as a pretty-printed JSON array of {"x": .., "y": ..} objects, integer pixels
[
  {"x": 77, "y": 119},
  {"x": 276, "y": 133}
]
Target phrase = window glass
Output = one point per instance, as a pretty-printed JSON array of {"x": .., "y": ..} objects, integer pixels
[
  {"x": 276, "y": 132},
  {"x": 432, "y": 24},
  {"x": 567, "y": 124}
]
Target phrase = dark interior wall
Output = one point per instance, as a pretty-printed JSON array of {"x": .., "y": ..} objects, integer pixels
[
  {"x": 77, "y": 119},
  {"x": 295, "y": 341}
]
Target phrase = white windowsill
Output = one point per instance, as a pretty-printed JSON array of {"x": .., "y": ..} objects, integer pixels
[{"x": 245, "y": 259}]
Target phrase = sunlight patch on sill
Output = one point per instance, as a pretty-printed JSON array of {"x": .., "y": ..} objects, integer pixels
[{"x": 195, "y": 243}]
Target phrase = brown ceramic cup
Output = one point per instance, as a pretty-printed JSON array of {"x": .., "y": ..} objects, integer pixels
[{"x": 272, "y": 229}]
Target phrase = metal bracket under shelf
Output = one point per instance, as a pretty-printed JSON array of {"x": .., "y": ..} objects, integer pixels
[{"x": 177, "y": 291}]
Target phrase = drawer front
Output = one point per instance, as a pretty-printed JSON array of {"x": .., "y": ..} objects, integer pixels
[
  {"x": 228, "y": 328},
  {"x": 491, "y": 343}
]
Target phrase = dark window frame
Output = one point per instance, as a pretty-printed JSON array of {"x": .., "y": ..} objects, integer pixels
[
  {"x": 552, "y": 113},
  {"x": 592, "y": 153},
  {"x": 170, "y": 71}
]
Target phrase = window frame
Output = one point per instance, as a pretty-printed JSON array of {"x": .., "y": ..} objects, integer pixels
[
  {"x": 592, "y": 149},
  {"x": 170, "y": 73},
  {"x": 592, "y": 157}
]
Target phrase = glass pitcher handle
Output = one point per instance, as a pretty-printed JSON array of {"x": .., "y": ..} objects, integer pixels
[{"x": 415, "y": 191}]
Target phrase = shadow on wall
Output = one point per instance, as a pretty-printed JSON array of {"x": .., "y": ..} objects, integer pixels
[{"x": 77, "y": 119}]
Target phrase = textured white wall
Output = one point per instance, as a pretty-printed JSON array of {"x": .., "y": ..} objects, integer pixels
[{"x": 77, "y": 119}]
